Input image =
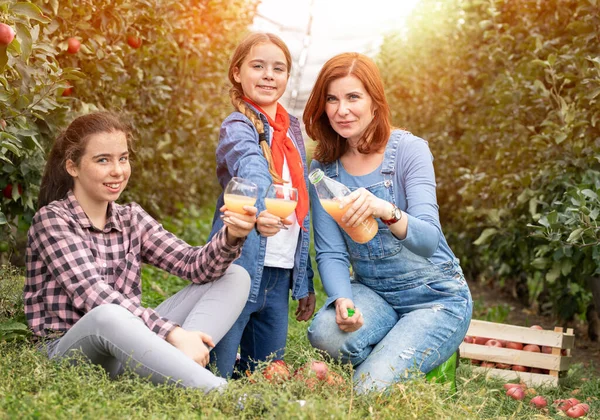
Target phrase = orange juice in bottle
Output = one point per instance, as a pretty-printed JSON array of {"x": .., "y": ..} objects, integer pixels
[{"x": 329, "y": 192}]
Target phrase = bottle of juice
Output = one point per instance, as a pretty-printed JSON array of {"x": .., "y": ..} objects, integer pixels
[{"x": 330, "y": 192}]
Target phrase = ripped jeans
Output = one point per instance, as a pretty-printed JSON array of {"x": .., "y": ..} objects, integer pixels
[{"x": 411, "y": 323}]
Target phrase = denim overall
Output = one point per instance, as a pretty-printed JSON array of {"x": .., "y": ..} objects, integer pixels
[{"x": 416, "y": 313}]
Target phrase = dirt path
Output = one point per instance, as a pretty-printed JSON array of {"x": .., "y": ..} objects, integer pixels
[{"x": 586, "y": 351}]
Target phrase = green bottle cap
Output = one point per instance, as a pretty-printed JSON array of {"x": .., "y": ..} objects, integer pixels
[{"x": 351, "y": 312}]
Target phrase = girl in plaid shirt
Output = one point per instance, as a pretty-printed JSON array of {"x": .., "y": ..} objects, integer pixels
[{"x": 84, "y": 255}]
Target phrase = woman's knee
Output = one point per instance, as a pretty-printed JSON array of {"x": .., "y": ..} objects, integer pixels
[
  {"x": 109, "y": 316},
  {"x": 237, "y": 280}
]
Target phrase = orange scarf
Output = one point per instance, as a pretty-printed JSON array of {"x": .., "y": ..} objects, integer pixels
[{"x": 281, "y": 146}]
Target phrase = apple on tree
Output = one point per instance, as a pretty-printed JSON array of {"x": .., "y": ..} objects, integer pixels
[
  {"x": 7, "y": 34},
  {"x": 134, "y": 42},
  {"x": 73, "y": 45}
]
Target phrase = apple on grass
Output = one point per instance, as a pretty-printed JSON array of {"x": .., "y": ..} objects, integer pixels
[{"x": 277, "y": 372}]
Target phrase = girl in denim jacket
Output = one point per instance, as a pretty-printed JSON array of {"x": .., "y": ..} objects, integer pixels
[
  {"x": 412, "y": 306},
  {"x": 263, "y": 143}
]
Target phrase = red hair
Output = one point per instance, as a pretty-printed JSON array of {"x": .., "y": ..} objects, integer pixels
[{"x": 330, "y": 146}]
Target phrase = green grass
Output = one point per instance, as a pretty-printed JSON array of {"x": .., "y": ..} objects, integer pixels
[{"x": 31, "y": 386}]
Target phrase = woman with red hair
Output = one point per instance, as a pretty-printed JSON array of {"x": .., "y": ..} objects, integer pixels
[{"x": 412, "y": 306}]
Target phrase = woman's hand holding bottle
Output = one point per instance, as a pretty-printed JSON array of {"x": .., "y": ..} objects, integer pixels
[
  {"x": 345, "y": 322},
  {"x": 362, "y": 204}
]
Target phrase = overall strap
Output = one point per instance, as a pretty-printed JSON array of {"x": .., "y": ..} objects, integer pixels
[{"x": 388, "y": 167}]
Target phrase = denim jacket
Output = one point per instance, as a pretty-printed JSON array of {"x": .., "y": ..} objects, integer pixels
[{"x": 239, "y": 154}]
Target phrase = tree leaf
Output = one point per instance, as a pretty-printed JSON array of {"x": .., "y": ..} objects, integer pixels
[
  {"x": 485, "y": 236},
  {"x": 30, "y": 11}
]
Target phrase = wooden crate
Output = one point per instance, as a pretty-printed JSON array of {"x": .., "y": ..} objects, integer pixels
[{"x": 556, "y": 363}]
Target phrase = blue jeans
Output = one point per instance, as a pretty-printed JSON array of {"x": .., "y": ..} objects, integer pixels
[
  {"x": 413, "y": 321},
  {"x": 261, "y": 330}
]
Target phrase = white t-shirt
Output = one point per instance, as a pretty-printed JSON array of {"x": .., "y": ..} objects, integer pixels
[{"x": 281, "y": 248}]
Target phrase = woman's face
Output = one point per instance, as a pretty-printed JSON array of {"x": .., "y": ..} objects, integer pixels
[
  {"x": 349, "y": 108},
  {"x": 103, "y": 171}
]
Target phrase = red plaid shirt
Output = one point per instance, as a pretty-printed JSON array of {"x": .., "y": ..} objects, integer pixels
[{"x": 72, "y": 267}]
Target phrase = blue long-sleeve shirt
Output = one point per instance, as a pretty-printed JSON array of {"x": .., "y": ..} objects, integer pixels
[{"x": 414, "y": 192}]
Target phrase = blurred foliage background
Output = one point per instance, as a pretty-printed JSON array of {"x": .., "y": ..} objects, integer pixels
[{"x": 506, "y": 92}]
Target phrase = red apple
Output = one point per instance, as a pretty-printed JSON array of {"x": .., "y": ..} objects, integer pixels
[
  {"x": 575, "y": 412},
  {"x": 536, "y": 370},
  {"x": 7, "y": 34},
  {"x": 536, "y": 327},
  {"x": 469, "y": 339},
  {"x": 509, "y": 386},
  {"x": 134, "y": 41},
  {"x": 68, "y": 90},
  {"x": 538, "y": 402},
  {"x": 563, "y": 405},
  {"x": 480, "y": 340},
  {"x": 7, "y": 192},
  {"x": 276, "y": 372},
  {"x": 502, "y": 366},
  {"x": 334, "y": 379},
  {"x": 488, "y": 365},
  {"x": 513, "y": 345},
  {"x": 547, "y": 349},
  {"x": 493, "y": 343},
  {"x": 74, "y": 45},
  {"x": 519, "y": 368},
  {"x": 532, "y": 347},
  {"x": 585, "y": 407},
  {"x": 516, "y": 393}
]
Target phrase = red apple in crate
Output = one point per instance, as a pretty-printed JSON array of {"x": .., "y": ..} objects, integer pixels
[
  {"x": 513, "y": 345},
  {"x": 519, "y": 368},
  {"x": 488, "y": 365},
  {"x": 539, "y": 402},
  {"x": 536, "y": 327},
  {"x": 469, "y": 339},
  {"x": 276, "y": 372},
  {"x": 516, "y": 393},
  {"x": 493, "y": 343},
  {"x": 547, "y": 349},
  {"x": 536, "y": 370},
  {"x": 480, "y": 340},
  {"x": 502, "y": 366},
  {"x": 532, "y": 347}
]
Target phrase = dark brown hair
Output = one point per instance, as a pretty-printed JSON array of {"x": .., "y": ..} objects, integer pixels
[
  {"x": 70, "y": 145},
  {"x": 330, "y": 146},
  {"x": 236, "y": 92}
]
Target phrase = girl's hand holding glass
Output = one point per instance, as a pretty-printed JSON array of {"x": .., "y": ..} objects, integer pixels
[{"x": 281, "y": 201}]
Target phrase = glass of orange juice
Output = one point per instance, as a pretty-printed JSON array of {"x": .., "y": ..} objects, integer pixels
[
  {"x": 281, "y": 201},
  {"x": 240, "y": 192}
]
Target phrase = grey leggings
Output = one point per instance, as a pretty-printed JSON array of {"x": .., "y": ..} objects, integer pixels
[{"x": 114, "y": 338}]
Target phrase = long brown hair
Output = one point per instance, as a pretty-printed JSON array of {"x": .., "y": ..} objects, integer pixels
[
  {"x": 70, "y": 145},
  {"x": 330, "y": 146},
  {"x": 236, "y": 92}
]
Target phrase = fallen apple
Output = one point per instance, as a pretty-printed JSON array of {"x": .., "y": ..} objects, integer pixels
[
  {"x": 509, "y": 386},
  {"x": 516, "y": 393},
  {"x": 575, "y": 412},
  {"x": 539, "y": 402},
  {"x": 277, "y": 372}
]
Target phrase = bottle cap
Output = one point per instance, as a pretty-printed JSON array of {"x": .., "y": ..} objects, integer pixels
[
  {"x": 316, "y": 175},
  {"x": 351, "y": 312}
]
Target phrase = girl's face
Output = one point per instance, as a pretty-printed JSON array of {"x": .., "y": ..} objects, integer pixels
[
  {"x": 349, "y": 108},
  {"x": 103, "y": 171},
  {"x": 263, "y": 75}
]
